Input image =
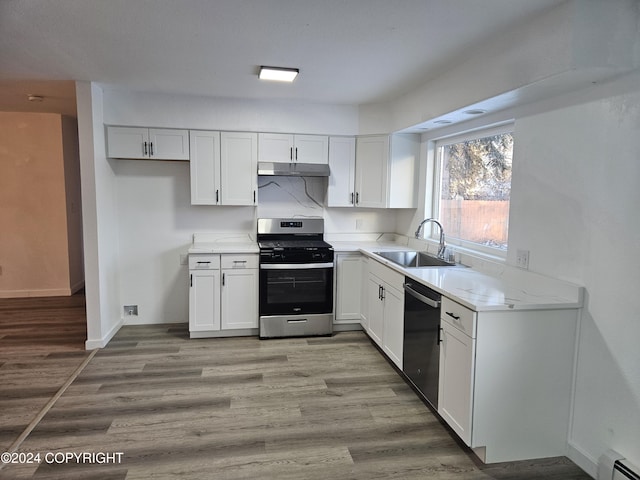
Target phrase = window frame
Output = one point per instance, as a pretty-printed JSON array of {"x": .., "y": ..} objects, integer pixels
[{"x": 436, "y": 184}]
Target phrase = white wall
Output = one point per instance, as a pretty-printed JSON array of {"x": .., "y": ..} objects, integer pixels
[
  {"x": 100, "y": 224},
  {"x": 574, "y": 205}
]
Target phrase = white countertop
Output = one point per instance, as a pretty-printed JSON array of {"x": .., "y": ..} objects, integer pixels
[
  {"x": 223, "y": 243},
  {"x": 512, "y": 289}
]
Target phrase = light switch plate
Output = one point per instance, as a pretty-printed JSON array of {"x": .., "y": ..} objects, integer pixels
[{"x": 522, "y": 259}]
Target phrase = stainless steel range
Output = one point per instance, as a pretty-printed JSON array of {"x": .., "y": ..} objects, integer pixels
[{"x": 296, "y": 278}]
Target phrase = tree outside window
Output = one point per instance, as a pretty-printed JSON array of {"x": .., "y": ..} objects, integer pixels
[{"x": 475, "y": 188}]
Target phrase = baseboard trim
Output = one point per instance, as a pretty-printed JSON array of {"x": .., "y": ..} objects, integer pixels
[
  {"x": 76, "y": 287},
  {"x": 51, "y": 292},
  {"x": 101, "y": 343},
  {"x": 581, "y": 458}
]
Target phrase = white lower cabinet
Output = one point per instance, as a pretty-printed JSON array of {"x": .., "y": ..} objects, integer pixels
[
  {"x": 385, "y": 310},
  {"x": 239, "y": 298},
  {"x": 223, "y": 294},
  {"x": 204, "y": 293},
  {"x": 375, "y": 309},
  {"x": 456, "y": 378},
  {"x": 505, "y": 380}
]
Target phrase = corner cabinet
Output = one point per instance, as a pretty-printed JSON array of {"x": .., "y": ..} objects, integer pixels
[
  {"x": 505, "y": 380},
  {"x": 223, "y": 168},
  {"x": 287, "y": 148},
  {"x": 381, "y": 172},
  {"x": 223, "y": 295},
  {"x": 147, "y": 143},
  {"x": 348, "y": 287}
]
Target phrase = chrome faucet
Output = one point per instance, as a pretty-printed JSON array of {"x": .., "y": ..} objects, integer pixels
[{"x": 442, "y": 245}]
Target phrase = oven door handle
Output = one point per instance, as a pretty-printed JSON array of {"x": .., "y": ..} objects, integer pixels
[{"x": 294, "y": 266}]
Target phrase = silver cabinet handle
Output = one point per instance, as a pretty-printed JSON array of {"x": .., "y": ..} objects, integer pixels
[
  {"x": 144, "y": 149},
  {"x": 151, "y": 149}
]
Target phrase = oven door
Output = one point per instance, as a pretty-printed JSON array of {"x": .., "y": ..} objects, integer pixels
[{"x": 296, "y": 289}]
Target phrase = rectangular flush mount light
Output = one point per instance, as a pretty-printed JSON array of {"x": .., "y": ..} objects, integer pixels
[{"x": 278, "y": 74}]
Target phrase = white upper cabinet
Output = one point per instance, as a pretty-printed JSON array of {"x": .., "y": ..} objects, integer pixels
[
  {"x": 223, "y": 168},
  {"x": 205, "y": 167},
  {"x": 342, "y": 165},
  {"x": 382, "y": 173},
  {"x": 238, "y": 168},
  {"x": 287, "y": 148},
  {"x": 147, "y": 143},
  {"x": 311, "y": 149},
  {"x": 372, "y": 162}
]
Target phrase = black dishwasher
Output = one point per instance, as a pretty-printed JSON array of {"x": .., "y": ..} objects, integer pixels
[{"x": 421, "y": 357}]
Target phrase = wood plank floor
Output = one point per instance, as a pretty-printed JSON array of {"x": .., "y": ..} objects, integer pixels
[
  {"x": 241, "y": 408},
  {"x": 41, "y": 345}
]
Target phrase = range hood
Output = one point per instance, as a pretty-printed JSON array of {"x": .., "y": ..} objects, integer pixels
[{"x": 294, "y": 169}]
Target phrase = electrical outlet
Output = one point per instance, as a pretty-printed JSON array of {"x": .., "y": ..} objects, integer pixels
[
  {"x": 130, "y": 310},
  {"x": 359, "y": 223},
  {"x": 522, "y": 259}
]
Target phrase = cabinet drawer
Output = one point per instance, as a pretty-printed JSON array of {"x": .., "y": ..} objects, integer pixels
[
  {"x": 239, "y": 261},
  {"x": 459, "y": 316},
  {"x": 204, "y": 262},
  {"x": 386, "y": 274}
]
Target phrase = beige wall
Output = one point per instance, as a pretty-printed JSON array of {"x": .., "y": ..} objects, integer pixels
[{"x": 40, "y": 223}]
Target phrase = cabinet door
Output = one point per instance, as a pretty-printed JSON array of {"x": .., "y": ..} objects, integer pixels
[
  {"x": 275, "y": 147},
  {"x": 372, "y": 156},
  {"x": 239, "y": 298},
  {"x": 205, "y": 167},
  {"x": 238, "y": 168},
  {"x": 393, "y": 329},
  {"x": 404, "y": 166},
  {"x": 168, "y": 144},
  {"x": 127, "y": 142},
  {"x": 342, "y": 167},
  {"x": 456, "y": 380},
  {"x": 204, "y": 300},
  {"x": 311, "y": 149},
  {"x": 348, "y": 287},
  {"x": 375, "y": 309}
]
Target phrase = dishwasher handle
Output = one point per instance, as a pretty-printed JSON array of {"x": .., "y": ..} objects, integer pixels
[{"x": 426, "y": 300}]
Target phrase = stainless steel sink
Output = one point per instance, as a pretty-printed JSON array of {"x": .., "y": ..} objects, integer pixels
[{"x": 413, "y": 259}]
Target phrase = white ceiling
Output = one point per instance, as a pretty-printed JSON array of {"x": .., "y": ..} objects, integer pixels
[{"x": 348, "y": 51}]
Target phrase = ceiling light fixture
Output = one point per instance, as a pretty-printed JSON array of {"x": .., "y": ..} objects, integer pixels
[
  {"x": 278, "y": 74},
  {"x": 35, "y": 98}
]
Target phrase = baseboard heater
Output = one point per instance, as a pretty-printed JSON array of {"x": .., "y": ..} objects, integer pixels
[{"x": 613, "y": 466}]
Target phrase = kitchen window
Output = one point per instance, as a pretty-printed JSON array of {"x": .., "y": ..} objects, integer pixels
[{"x": 472, "y": 188}]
